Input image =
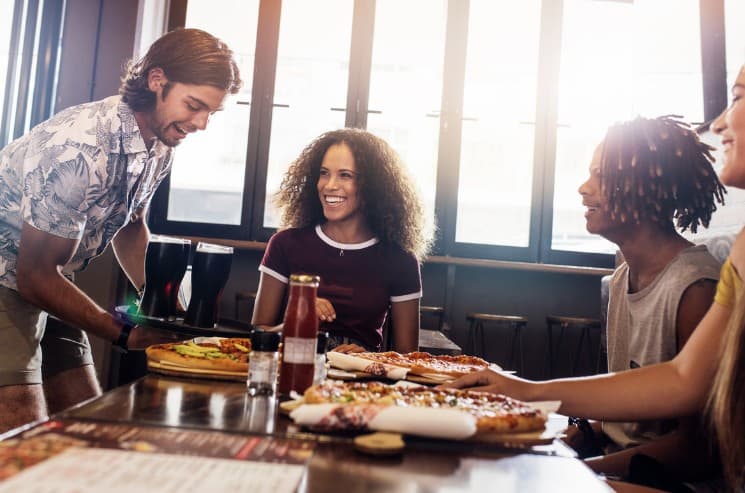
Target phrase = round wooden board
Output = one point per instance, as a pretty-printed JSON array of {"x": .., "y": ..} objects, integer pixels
[
  {"x": 379, "y": 443},
  {"x": 156, "y": 367}
]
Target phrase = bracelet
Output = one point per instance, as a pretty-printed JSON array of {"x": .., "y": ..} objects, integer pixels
[{"x": 121, "y": 342}]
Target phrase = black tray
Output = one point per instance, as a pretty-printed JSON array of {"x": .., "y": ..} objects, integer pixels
[{"x": 229, "y": 328}]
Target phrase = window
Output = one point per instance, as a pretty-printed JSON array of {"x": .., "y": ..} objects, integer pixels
[
  {"x": 311, "y": 83},
  {"x": 734, "y": 12},
  {"x": 617, "y": 61},
  {"x": 495, "y": 105},
  {"x": 6, "y": 20},
  {"x": 406, "y": 85},
  {"x": 498, "y": 124},
  {"x": 206, "y": 184},
  {"x": 30, "y": 33}
]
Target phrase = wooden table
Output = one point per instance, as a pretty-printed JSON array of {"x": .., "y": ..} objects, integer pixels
[
  {"x": 425, "y": 465},
  {"x": 435, "y": 342}
]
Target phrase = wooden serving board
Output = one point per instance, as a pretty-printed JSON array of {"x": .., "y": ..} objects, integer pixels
[
  {"x": 355, "y": 375},
  {"x": 178, "y": 371}
]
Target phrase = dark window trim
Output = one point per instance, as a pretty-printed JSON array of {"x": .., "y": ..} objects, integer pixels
[{"x": 31, "y": 107}]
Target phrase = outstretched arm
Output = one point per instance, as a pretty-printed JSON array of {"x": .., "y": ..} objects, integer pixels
[
  {"x": 675, "y": 388},
  {"x": 40, "y": 281}
]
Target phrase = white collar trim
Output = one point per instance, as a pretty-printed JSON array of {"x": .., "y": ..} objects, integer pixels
[{"x": 344, "y": 246}]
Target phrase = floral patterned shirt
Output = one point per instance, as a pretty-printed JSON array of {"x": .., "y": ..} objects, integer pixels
[{"x": 79, "y": 175}]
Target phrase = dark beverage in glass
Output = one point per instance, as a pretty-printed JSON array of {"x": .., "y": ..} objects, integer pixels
[
  {"x": 209, "y": 273},
  {"x": 300, "y": 335},
  {"x": 165, "y": 264}
]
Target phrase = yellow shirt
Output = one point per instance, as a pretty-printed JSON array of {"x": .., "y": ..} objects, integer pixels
[{"x": 729, "y": 286}]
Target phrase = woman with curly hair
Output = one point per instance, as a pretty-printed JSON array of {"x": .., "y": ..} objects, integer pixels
[{"x": 354, "y": 218}]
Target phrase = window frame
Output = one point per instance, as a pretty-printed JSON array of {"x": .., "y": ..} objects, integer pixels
[
  {"x": 541, "y": 216},
  {"x": 36, "y": 35}
]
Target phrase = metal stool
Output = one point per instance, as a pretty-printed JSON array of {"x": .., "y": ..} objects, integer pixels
[
  {"x": 437, "y": 312},
  {"x": 585, "y": 325},
  {"x": 240, "y": 296},
  {"x": 476, "y": 323}
]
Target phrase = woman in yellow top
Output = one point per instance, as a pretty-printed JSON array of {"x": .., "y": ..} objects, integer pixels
[{"x": 708, "y": 373}]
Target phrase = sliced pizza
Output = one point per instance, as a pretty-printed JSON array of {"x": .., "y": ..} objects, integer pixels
[
  {"x": 493, "y": 412},
  {"x": 422, "y": 363}
]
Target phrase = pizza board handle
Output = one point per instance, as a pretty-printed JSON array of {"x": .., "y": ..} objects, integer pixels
[{"x": 380, "y": 443}]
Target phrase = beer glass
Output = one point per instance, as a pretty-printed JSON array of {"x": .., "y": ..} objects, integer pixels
[
  {"x": 209, "y": 272},
  {"x": 165, "y": 264}
]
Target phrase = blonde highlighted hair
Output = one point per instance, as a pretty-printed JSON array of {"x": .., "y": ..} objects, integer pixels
[{"x": 726, "y": 403}]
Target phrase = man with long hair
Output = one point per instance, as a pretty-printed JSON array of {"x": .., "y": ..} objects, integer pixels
[{"x": 74, "y": 184}]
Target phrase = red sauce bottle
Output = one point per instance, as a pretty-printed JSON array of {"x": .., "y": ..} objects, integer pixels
[{"x": 299, "y": 335}]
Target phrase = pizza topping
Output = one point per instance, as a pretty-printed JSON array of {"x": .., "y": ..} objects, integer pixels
[
  {"x": 494, "y": 412},
  {"x": 214, "y": 353},
  {"x": 421, "y": 363}
]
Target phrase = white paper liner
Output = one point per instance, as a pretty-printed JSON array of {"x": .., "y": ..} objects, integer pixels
[
  {"x": 428, "y": 422},
  {"x": 350, "y": 362}
]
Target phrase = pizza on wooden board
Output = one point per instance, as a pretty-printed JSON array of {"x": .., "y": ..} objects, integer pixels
[
  {"x": 422, "y": 363},
  {"x": 493, "y": 412},
  {"x": 208, "y": 353}
]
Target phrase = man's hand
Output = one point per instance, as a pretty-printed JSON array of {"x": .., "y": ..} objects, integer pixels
[
  {"x": 325, "y": 310},
  {"x": 349, "y": 348},
  {"x": 141, "y": 337}
]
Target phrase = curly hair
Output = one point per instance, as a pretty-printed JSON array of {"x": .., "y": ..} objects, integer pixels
[
  {"x": 188, "y": 56},
  {"x": 390, "y": 202},
  {"x": 657, "y": 169}
]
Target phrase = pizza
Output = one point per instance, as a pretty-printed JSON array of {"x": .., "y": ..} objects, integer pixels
[
  {"x": 493, "y": 412},
  {"x": 421, "y": 363},
  {"x": 208, "y": 353}
]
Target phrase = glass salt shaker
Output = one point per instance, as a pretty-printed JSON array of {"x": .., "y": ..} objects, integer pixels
[
  {"x": 319, "y": 370},
  {"x": 262, "y": 363}
]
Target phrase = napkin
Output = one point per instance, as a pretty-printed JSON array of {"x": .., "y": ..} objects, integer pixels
[
  {"x": 422, "y": 421},
  {"x": 350, "y": 362}
]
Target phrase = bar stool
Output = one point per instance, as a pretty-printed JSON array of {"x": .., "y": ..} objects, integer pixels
[
  {"x": 476, "y": 322},
  {"x": 585, "y": 326},
  {"x": 436, "y": 312},
  {"x": 241, "y": 296}
]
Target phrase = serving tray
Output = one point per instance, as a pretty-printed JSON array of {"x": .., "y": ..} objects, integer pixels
[{"x": 225, "y": 328}]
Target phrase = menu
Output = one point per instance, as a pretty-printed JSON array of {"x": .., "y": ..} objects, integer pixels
[
  {"x": 95, "y": 470},
  {"x": 55, "y": 437}
]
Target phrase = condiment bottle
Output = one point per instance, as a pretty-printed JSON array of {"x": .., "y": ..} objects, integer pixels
[
  {"x": 319, "y": 373},
  {"x": 262, "y": 363},
  {"x": 299, "y": 335}
]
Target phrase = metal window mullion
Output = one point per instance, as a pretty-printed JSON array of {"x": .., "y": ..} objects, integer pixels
[
  {"x": 260, "y": 126},
  {"x": 713, "y": 57},
  {"x": 360, "y": 63},
  {"x": 11, "y": 75},
  {"x": 24, "y": 76},
  {"x": 451, "y": 113},
  {"x": 544, "y": 158},
  {"x": 47, "y": 61}
]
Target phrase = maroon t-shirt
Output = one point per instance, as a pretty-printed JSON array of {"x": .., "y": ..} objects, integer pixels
[{"x": 359, "y": 279}]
